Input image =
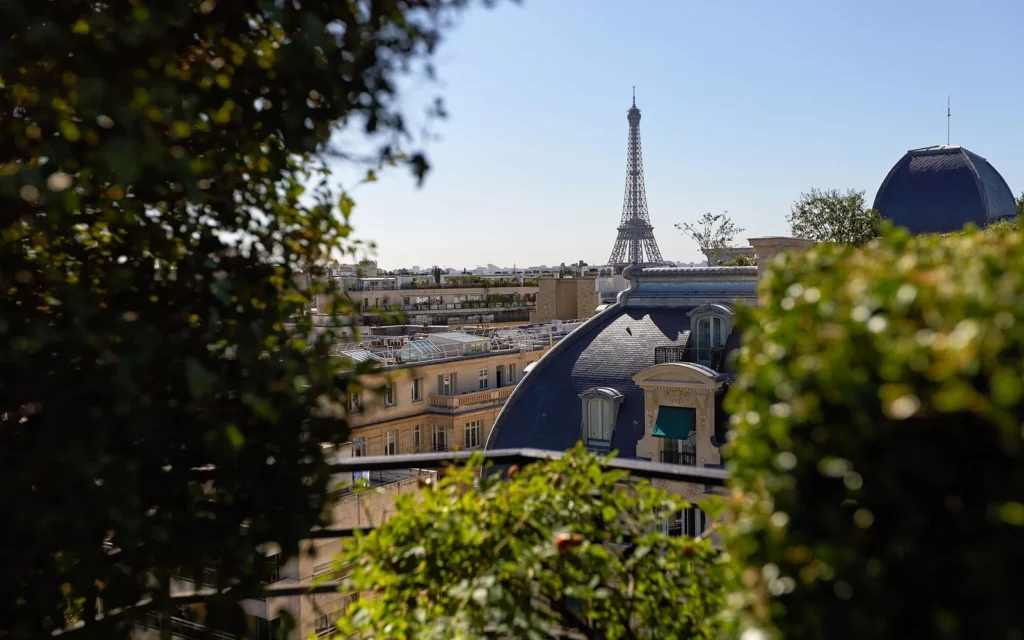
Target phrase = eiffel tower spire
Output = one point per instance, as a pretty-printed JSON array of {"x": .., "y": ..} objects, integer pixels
[{"x": 635, "y": 243}]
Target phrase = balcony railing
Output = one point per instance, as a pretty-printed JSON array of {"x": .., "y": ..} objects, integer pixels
[
  {"x": 470, "y": 304},
  {"x": 438, "y": 446},
  {"x": 456, "y": 402},
  {"x": 710, "y": 357},
  {"x": 679, "y": 457},
  {"x": 142, "y": 612},
  {"x": 394, "y": 286}
]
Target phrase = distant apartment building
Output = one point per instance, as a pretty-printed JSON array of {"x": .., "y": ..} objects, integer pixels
[
  {"x": 440, "y": 391},
  {"x": 438, "y": 298}
]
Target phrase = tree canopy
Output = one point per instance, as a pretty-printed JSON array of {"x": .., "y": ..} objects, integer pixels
[
  {"x": 564, "y": 544},
  {"x": 713, "y": 233},
  {"x": 834, "y": 216},
  {"x": 163, "y": 174}
]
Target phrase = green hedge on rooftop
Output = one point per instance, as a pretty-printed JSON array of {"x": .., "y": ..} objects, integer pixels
[{"x": 877, "y": 454}]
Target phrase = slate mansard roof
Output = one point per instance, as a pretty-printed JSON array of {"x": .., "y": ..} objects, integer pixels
[
  {"x": 545, "y": 410},
  {"x": 940, "y": 189}
]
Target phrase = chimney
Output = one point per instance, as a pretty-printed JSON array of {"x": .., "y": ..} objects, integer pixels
[{"x": 766, "y": 248}]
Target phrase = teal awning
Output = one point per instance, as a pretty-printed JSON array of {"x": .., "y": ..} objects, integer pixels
[{"x": 675, "y": 422}]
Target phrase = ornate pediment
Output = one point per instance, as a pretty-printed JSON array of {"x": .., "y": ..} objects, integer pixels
[
  {"x": 712, "y": 309},
  {"x": 686, "y": 375}
]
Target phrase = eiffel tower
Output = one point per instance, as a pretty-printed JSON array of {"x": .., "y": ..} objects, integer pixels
[{"x": 635, "y": 243}]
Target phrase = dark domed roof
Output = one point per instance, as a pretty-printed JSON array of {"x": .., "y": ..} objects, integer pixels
[{"x": 940, "y": 189}]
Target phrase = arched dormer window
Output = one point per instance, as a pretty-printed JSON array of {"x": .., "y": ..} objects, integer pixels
[
  {"x": 710, "y": 332},
  {"x": 710, "y": 325},
  {"x": 600, "y": 410}
]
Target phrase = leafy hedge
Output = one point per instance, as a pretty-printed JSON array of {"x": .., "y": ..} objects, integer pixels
[
  {"x": 559, "y": 544},
  {"x": 878, "y": 459}
]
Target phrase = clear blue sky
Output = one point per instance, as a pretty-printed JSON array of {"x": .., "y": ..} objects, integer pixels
[{"x": 745, "y": 104}]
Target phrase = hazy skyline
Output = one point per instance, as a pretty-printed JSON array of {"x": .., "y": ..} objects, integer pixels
[{"x": 745, "y": 105}]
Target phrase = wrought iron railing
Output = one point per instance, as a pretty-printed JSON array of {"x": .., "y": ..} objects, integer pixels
[
  {"x": 679, "y": 457},
  {"x": 710, "y": 357}
]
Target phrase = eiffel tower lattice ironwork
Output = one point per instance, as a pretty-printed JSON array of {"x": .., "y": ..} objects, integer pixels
[{"x": 635, "y": 243}]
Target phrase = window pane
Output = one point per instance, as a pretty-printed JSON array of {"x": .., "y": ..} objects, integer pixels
[
  {"x": 594, "y": 418},
  {"x": 606, "y": 420},
  {"x": 704, "y": 332}
]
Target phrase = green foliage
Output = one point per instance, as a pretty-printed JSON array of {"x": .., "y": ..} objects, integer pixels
[
  {"x": 162, "y": 176},
  {"x": 559, "y": 544},
  {"x": 712, "y": 233},
  {"x": 741, "y": 260},
  {"x": 878, "y": 462},
  {"x": 834, "y": 216},
  {"x": 998, "y": 227}
]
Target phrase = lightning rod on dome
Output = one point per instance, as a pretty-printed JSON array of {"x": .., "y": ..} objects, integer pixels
[{"x": 949, "y": 114}]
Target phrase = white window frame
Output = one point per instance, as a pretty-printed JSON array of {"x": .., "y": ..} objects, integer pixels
[
  {"x": 448, "y": 385},
  {"x": 600, "y": 404},
  {"x": 417, "y": 439},
  {"x": 472, "y": 434},
  {"x": 598, "y": 414},
  {"x": 417, "y": 389},
  {"x": 442, "y": 431},
  {"x": 391, "y": 443},
  {"x": 389, "y": 394},
  {"x": 482, "y": 377},
  {"x": 355, "y": 402}
]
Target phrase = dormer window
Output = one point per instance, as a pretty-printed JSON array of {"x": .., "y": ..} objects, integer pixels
[
  {"x": 710, "y": 332},
  {"x": 600, "y": 409},
  {"x": 599, "y": 424},
  {"x": 711, "y": 325}
]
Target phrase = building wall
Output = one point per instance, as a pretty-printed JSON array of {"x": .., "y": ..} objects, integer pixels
[
  {"x": 546, "y": 299},
  {"x": 468, "y": 403},
  {"x": 557, "y": 299},
  {"x": 565, "y": 298},
  {"x": 586, "y": 297}
]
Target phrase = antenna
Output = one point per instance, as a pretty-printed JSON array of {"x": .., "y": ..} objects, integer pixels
[
  {"x": 634, "y": 95},
  {"x": 948, "y": 116}
]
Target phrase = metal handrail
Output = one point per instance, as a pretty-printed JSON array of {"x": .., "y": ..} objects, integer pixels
[
  {"x": 710, "y": 477},
  {"x": 710, "y": 357},
  {"x": 679, "y": 457}
]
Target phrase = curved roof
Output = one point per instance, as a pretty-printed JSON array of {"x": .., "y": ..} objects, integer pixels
[
  {"x": 941, "y": 189},
  {"x": 545, "y": 410},
  {"x": 604, "y": 352}
]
